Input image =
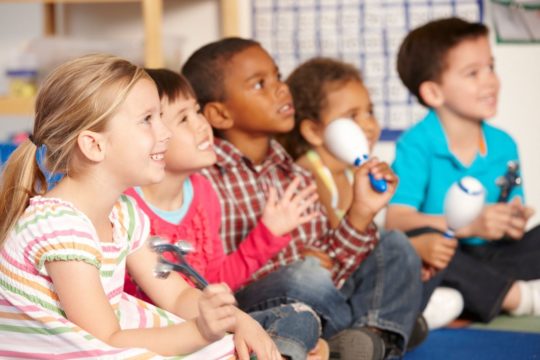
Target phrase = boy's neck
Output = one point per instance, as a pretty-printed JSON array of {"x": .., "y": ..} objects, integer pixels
[
  {"x": 254, "y": 147},
  {"x": 167, "y": 195},
  {"x": 458, "y": 128},
  {"x": 463, "y": 135}
]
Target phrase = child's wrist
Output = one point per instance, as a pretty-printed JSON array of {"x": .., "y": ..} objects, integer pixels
[{"x": 360, "y": 218}]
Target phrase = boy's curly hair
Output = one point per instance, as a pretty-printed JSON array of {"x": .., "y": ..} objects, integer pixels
[
  {"x": 310, "y": 84},
  {"x": 422, "y": 54},
  {"x": 206, "y": 67}
]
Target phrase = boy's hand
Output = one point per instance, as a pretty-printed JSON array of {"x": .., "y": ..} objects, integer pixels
[
  {"x": 434, "y": 249},
  {"x": 250, "y": 336},
  {"x": 427, "y": 272},
  {"x": 520, "y": 215},
  {"x": 366, "y": 201},
  {"x": 283, "y": 215},
  {"x": 216, "y": 312},
  {"x": 492, "y": 223}
]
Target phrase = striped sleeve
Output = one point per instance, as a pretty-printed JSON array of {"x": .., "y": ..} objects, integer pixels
[
  {"x": 57, "y": 232},
  {"x": 134, "y": 221}
]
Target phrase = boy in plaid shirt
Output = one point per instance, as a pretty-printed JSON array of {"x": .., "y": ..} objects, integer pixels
[{"x": 366, "y": 292}]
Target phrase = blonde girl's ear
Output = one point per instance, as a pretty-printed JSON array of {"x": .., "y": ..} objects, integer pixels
[
  {"x": 312, "y": 132},
  {"x": 92, "y": 145},
  {"x": 218, "y": 116},
  {"x": 431, "y": 93}
]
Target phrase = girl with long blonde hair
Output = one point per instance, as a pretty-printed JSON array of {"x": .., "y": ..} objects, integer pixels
[{"x": 64, "y": 249}]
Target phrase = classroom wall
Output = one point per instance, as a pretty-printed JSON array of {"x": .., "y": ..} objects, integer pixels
[{"x": 196, "y": 22}]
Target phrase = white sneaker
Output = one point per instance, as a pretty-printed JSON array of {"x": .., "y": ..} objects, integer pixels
[{"x": 444, "y": 306}]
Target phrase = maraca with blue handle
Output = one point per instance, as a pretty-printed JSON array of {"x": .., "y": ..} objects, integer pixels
[
  {"x": 346, "y": 141},
  {"x": 463, "y": 203}
]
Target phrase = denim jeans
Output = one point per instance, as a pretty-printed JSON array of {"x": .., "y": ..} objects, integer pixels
[
  {"x": 294, "y": 328},
  {"x": 384, "y": 292}
]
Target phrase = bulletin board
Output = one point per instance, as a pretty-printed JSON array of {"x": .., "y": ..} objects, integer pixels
[{"x": 366, "y": 33}]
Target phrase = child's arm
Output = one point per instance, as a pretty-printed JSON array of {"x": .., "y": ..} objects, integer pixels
[
  {"x": 79, "y": 289},
  {"x": 405, "y": 218},
  {"x": 212, "y": 310},
  {"x": 356, "y": 235},
  {"x": 269, "y": 236},
  {"x": 366, "y": 201},
  {"x": 499, "y": 220}
]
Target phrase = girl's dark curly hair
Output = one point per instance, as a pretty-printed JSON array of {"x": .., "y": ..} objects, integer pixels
[{"x": 310, "y": 84}]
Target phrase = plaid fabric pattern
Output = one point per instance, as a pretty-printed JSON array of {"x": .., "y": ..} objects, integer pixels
[{"x": 243, "y": 187}]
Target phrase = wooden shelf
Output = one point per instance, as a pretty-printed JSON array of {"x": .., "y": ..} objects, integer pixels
[
  {"x": 152, "y": 13},
  {"x": 16, "y": 106}
]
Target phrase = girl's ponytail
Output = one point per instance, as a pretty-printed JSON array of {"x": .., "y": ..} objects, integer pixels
[{"x": 20, "y": 180}]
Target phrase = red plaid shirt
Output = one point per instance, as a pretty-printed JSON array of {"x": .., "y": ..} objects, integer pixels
[{"x": 243, "y": 187}]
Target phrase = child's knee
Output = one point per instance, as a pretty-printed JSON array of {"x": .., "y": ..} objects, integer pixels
[{"x": 397, "y": 245}]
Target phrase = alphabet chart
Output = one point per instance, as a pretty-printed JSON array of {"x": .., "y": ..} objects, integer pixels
[{"x": 365, "y": 33}]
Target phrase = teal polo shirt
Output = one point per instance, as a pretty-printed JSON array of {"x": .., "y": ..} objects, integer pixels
[{"x": 427, "y": 168}]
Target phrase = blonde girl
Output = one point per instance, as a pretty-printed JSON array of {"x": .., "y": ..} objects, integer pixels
[{"x": 64, "y": 250}]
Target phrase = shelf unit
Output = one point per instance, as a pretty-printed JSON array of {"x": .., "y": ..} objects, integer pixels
[{"x": 152, "y": 14}]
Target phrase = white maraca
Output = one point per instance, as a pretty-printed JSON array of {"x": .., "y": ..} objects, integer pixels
[
  {"x": 347, "y": 142},
  {"x": 463, "y": 203}
]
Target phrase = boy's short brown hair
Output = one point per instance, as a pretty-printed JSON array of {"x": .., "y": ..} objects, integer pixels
[
  {"x": 171, "y": 84},
  {"x": 206, "y": 67},
  {"x": 309, "y": 84},
  {"x": 422, "y": 54}
]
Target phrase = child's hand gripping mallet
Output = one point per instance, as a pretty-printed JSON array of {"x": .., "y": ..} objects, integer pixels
[
  {"x": 347, "y": 142},
  {"x": 178, "y": 250},
  {"x": 463, "y": 203},
  {"x": 508, "y": 181}
]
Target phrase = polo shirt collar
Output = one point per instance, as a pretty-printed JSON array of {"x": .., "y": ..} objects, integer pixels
[{"x": 440, "y": 142}]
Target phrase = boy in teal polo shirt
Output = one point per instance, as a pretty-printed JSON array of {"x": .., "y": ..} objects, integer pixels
[{"x": 448, "y": 65}]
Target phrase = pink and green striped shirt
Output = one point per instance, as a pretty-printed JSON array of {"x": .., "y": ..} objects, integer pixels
[{"x": 32, "y": 322}]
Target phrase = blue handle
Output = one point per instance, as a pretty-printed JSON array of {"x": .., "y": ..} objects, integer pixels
[{"x": 379, "y": 185}]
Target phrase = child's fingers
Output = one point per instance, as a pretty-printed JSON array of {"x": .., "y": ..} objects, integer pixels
[
  {"x": 291, "y": 189},
  {"x": 383, "y": 171},
  {"x": 308, "y": 217},
  {"x": 366, "y": 167},
  {"x": 272, "y": 196},
  {"x": 307, "y": 203},
  {"x": 241, "y": 348},
  {"x": 219, "y": 295},
  {"x": 304, "y": 194}
]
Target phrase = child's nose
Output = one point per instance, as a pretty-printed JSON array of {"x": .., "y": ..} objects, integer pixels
[
  {"x": 282, "y": 89},
  {"x": 163, "y": 133}
]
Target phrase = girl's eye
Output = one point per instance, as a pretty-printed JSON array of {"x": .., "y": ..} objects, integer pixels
[
  {"x": 147, "y": 119},
  {"x": 183, "y": 119}
]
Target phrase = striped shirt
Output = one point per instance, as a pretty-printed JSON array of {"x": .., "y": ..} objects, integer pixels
[
  {"x": 243, "y": 190},
  {"x": 32, "y": 322}
]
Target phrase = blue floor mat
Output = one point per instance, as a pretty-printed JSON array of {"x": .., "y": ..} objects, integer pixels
[{"x": 473, "y": 344}]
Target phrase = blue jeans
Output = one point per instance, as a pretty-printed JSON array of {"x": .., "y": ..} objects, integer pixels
[
  {"x": 384, "y": 292},
  {"x": 294, "y": 328}
]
